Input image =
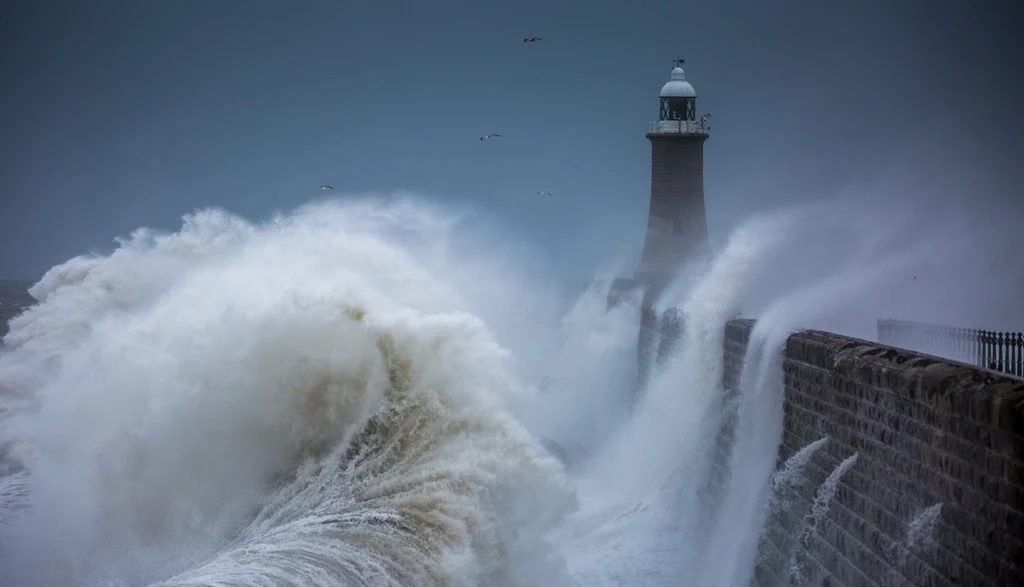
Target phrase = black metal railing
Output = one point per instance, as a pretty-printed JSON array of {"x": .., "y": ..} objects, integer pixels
[{"x": 998, "y": 351}]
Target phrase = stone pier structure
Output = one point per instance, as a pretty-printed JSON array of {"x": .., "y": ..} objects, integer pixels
[{"x": 936, "y": 494}]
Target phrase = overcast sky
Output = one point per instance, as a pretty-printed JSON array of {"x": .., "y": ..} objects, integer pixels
[{"x": 117, "y": 115}]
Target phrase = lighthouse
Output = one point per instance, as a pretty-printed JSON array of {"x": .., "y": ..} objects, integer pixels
[{"x": 677, "y": 230}]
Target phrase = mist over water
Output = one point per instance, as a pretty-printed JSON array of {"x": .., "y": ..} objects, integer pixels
[{"x": 352, "y": 394}]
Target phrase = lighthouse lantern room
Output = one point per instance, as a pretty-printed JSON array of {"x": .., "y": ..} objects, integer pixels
[{"x": 678, "y": 108}]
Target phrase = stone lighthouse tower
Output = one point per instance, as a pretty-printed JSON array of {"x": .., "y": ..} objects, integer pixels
[{"x": 677, "y": 231}]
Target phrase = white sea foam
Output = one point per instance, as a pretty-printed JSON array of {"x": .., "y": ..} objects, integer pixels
[{"x": 195, "y": 399}]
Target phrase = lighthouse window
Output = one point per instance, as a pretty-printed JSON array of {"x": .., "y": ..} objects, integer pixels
[{"x": 678, "y": 108}]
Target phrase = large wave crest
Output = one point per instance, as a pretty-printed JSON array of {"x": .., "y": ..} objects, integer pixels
[{"x": 296, "y": 402}]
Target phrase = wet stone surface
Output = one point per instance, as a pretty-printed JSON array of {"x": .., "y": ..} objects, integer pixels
[{"x": 926, "y": 431}]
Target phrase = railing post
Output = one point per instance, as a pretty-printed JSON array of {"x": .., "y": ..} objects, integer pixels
[
  {"x": 990, "y": 349},
  {"x": 1012, "y": 356},
  {"x": 1019, "y": 372},
  {"x": 981, "y": 340},
  {"x": 1004, "y": 352}
]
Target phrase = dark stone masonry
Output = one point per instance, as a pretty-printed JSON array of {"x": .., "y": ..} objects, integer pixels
[
  {"x": 677, "y": 226},
  {"x": 928, "y": 433}
]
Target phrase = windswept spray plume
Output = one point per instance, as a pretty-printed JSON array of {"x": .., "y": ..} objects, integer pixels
[
  {"x": 924, "y": 256},
  {"x": 639, "y": 518},
  {"x": 584, "y": 399}
]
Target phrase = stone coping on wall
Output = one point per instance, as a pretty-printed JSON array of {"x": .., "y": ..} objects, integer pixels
[{"x": 967, "y": 392}]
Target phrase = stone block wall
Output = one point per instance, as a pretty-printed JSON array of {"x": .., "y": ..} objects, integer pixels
[
  {"x": 676, "y": 221},
  {"x": 930, "y": 435}
]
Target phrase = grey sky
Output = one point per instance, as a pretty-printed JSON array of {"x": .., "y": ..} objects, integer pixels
[{"x": 119, "y": 115}]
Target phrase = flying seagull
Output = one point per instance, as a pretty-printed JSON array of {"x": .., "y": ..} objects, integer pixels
[
  {"x": 544, "y": 193},
  {"x": 532, "y": 39},
  {"x": 326, "y": 187},
  {"x": 490, "y": 136}
]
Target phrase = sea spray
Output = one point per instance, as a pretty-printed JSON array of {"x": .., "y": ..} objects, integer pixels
[
  {"x": 785, "y": 503},
  {"x": 734, "y": 540},
  {"x": 585, "y": 399},
  {"x": 800, "y": 570},
  {"x": 638, "y": 518},
  {"x": 921, "y": 529},
  {"x": 733, "y": 537},
  {"x": 835, "y": 269},
  {"x": 792, "y": 472},
  {"x": 682, "y": 394},
  {"x": 14, "y": 495},
  {"x": 195, "y": 399},
  {"x": 918, "y": 542}
]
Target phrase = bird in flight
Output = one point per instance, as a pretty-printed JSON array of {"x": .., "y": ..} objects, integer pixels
[
  {"x": 532, "y": 39},
  {"x": 544, "y": 193},
  {"x": 490, "y": 136},
  {"x": 326, "y": 187}
]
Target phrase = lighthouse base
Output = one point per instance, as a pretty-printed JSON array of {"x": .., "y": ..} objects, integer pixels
[{"x": 660, "y": 333}]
